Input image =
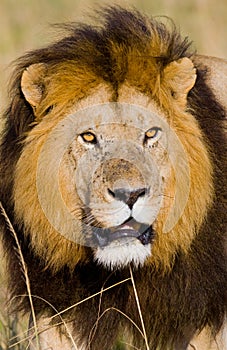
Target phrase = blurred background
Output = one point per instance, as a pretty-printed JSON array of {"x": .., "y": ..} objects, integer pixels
[{"x": 26, "y": 24}]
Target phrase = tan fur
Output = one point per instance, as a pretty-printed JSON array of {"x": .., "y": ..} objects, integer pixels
[
  {"x": 32, "y": 83},
  {"x": 200, "y": 181},
  {"x": 216, "y": 77},
  {"x": 59, "y": 93},
  {"x": 57, "y": 250},
  {"x": 113, "y": 165}
]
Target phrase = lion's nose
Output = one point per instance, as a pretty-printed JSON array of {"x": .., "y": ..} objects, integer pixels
[{"x": 128, "y": 196}]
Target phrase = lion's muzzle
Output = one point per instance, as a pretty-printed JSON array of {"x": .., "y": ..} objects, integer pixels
[{"x": 131, "y": 228}]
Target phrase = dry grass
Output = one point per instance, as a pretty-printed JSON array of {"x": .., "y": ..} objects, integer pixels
[
  {"x": 24, "y": 25},
  {"x": 10, "y": 330}
]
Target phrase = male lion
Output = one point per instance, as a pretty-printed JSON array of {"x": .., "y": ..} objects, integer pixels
[{"x": 113, "y": 180}]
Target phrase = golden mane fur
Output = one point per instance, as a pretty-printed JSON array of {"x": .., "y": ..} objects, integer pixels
[
  {"x": 66, "y": 84},
  {"x": 137, "y": 61},
  {"x": 59, "y": 251}
]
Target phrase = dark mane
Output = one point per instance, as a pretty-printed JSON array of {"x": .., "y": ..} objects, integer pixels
[
  {"x": 195, "y": 291},
  {"x": 95, "y": 49}
]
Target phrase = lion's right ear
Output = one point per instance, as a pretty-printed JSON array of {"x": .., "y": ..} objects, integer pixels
[{"x": 32, "y": 83}]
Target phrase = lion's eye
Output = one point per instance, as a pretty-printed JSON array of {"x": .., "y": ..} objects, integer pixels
[
  {"x": 89, "y": 137},
  {"x": 152, "y": 133}
]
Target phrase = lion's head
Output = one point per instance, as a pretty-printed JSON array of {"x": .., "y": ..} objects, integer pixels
[{"x": 122, "y": 170}]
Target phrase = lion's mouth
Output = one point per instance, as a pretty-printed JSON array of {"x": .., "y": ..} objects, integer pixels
[{"x": 131, "y": 228}]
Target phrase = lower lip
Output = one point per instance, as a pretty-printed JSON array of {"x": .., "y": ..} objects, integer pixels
[
  {"x": 145, "y": 237},
  {"x": 123, "y": 233}
]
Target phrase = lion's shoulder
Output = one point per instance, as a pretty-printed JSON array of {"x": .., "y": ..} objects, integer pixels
[{"x": 216, "y": 75}]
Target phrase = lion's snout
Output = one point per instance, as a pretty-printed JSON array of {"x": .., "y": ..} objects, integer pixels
[{"x": 128, "y": 196}]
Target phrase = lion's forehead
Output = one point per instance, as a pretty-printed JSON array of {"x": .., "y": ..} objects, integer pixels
[
  {"x": 116, "y": 131},
  {"x": 132, "y": 110}
]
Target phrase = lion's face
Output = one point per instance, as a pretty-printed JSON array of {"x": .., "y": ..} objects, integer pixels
[
  {"x": 118, "y": 167},
  {"x": 117, "y": 177},
  {"x": 113, "y": 167}
]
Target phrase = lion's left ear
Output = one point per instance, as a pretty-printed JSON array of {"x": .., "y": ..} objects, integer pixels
[{"x": 179, "y": 77}]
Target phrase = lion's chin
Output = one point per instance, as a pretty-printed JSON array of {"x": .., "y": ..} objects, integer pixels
[{"x": 122, "y": 253}]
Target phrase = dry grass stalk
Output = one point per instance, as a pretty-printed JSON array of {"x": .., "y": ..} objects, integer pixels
[
  {"x": 35, "y": 328},
  {"x": 24, "y": 267}
]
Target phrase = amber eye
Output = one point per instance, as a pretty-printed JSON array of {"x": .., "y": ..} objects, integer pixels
[
  {"x": 152, "y": 133},
  {"x": 88, "y": 137}
]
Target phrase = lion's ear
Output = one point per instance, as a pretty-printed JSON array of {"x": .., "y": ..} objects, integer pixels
[
  {"x": 32, "y": 83},
  {"x": 179, "y": 77}
]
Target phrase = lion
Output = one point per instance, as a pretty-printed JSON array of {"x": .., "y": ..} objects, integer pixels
[{"x": 113, "y": 172}]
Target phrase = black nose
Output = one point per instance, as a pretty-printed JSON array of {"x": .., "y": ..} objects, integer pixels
[{"x": 128, "y": 196}]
